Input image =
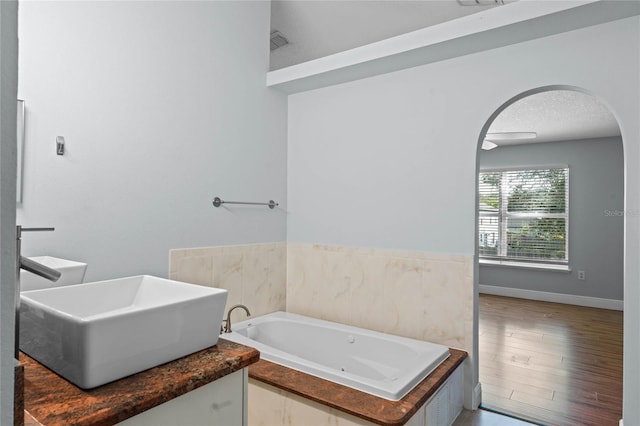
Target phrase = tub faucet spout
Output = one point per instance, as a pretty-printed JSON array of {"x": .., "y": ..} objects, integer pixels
[{"x": 227, "y": 322}]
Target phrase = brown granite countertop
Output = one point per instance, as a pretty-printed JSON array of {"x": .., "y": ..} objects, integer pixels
[
  {"x": 360, "y": 404},
  {"x": 52, "y": 400}
]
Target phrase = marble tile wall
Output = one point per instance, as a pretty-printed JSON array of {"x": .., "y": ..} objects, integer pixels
[
  {"x": 269, "y": 406},
  {"x": 415, "y": 294},
  {"x": 419, "y": 295},
  {"x": 254, "y": 274}
]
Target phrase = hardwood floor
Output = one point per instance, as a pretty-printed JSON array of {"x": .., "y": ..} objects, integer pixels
[
  {"x": 551, "y": 363},
  {"x": 486, "y": 418}
]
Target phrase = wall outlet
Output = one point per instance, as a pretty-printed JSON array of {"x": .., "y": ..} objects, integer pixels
[{"x": 581, "y": 275}]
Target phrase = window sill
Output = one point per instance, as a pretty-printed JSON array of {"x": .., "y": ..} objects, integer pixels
[{"x": 526, "y": 265}]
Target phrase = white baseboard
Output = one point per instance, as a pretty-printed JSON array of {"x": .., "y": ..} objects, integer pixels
[{"x": 569, "y": 299}]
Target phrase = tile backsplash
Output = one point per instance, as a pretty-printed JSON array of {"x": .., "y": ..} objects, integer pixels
[
  {"x": 254, "y": 275},
  {"x": 420, "y": 295}
]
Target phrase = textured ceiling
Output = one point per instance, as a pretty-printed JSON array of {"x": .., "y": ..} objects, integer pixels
[{"x": 555, "y": 116}]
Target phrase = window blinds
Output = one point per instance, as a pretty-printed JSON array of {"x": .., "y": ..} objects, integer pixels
[{"x": 523, "y": 214}]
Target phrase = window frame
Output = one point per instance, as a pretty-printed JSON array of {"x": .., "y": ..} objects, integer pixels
[{"x": 501, "y": 214}]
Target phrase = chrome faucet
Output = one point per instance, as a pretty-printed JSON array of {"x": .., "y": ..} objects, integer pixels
[
  {"x": 33, "y": 267},
  {"x": 39, "y": 269},
  {"x": 227, "y": 323}
]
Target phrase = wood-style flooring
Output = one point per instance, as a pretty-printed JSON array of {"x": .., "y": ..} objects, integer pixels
[
  {"x": 551, "y": 363},
  {"x": 486, "y": 418}
]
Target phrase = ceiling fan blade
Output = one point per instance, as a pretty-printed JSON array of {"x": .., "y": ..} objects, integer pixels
[{"x": 510, "y": 136}]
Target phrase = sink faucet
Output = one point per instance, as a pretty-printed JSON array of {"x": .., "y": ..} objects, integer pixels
[
  {"x": 33, "y": 267},
  {"x": 39, "y": 269},
  {"x": 227, "y": 322}
]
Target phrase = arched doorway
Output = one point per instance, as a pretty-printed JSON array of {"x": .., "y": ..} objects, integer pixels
[{"x": 540, "y": 373}]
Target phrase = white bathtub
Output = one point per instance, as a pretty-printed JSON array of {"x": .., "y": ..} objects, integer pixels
[{"x": 376, "y": 363}]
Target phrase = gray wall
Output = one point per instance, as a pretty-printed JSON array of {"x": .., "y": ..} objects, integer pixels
[
  {"x": 391, "y": 161},
  {"x": 8, "y": 89},
  {"x": 596, "y": 204},
  {"x": 163, "y": 106}
]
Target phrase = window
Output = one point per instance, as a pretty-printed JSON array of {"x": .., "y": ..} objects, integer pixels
[{"x": 524, "y": 215}]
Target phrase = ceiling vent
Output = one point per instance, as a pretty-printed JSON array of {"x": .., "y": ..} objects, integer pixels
[{"x": 277, "y": 40}]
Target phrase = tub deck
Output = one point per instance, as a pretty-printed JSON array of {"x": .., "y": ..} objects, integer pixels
[{"x": 363, "y": 405}]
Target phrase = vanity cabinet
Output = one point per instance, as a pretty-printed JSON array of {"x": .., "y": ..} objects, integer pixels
[
  {"x": 444, "y": 406},
  {"x": 221, "y": 402},
  {"x": 207, "y": 387}
]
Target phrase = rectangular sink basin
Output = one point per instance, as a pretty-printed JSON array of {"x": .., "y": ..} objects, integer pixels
[
  {"x": 94, "y": 333},
  {"x": 72, "y": 273}
]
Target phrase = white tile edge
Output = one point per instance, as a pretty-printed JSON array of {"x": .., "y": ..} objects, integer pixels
[{"x": 544, "y": 296}]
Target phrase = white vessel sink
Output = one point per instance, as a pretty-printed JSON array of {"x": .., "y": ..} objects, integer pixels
[
  {"x": 95, "y": 333},
  {"x": 72, "y": 273}
]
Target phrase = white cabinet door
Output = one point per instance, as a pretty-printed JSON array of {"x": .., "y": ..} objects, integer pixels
[
  {"x": 444, "y": 407},
  {"x": 219, "y": 403}
]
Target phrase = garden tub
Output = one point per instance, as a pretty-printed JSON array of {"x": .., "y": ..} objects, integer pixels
[{"x": 380, "y": 364}]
